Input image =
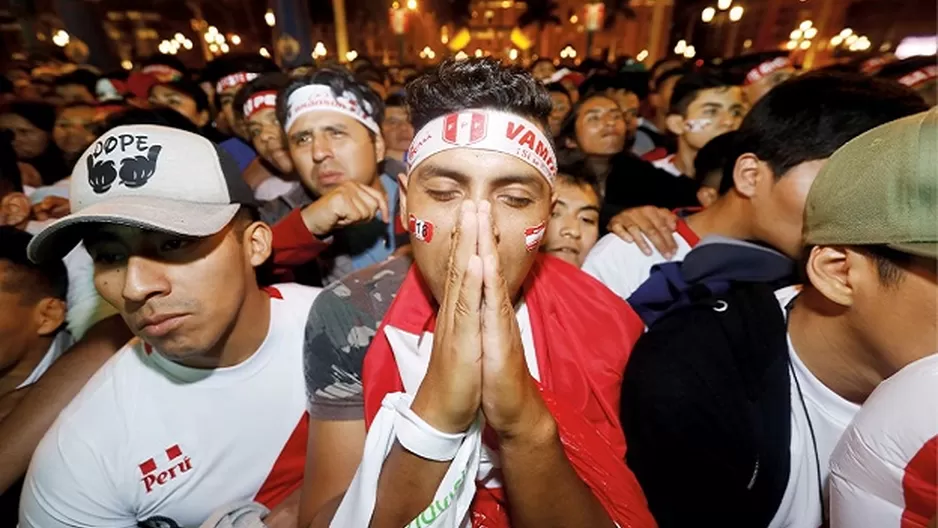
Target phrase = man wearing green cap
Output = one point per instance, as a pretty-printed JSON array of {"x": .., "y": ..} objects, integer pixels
[{"x": 747, "y": 393}]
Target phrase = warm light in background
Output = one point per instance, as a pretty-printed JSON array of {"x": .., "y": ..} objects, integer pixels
[
  {"x": 235, "y": 39},
  {"x": 351, "y": 55},
  {"x": 747, "y": 44},
  {"x": 319, "y": 50},
  {"x": 574, "y": 19},
  {"x": 61, "y": 38},
  {"x": 568, "y": 52},
  {"x": 810, "y": 33},
  {"x": 805, "y": 25},
  {"x": 795, "y": 35},
  {"x": 513, "y": 54},
  {"x": 179, "y": 37},
  {"x": 270, "y": 18},
  {"x": 791, "y": 45},
  {"x": 690, "y": 52},
  {"x": 846, "y": 33},
  {"x": 642, "y": 55},
  {"x": 264, "y": 53},
  {"x": 724, "y": 4},
  {"x": 462, "y": 55},
  {"x": 805, "y": 44},
  {"x": 707, "y": 14},
  {"x": 736, "y": 13},
  {"x": 680, "y": 47},
  {"x": 127, "y": 65},
  {"x": 478, "y": 52},
  {"x": 412, "y": 5}
]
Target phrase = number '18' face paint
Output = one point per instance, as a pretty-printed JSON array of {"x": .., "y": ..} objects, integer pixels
[
  {"x": 533, "y": 236},
  {"x": 421, "y": 229}
]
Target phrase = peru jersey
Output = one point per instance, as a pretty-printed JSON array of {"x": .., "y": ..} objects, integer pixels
[{"x": 153, "y": 442}]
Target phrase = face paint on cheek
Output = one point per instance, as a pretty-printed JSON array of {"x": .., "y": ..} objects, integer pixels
[
  {"x": 533, "y": 236},
  {"x": 421, "y": 229},
  {"x": 697, "y": 125}
]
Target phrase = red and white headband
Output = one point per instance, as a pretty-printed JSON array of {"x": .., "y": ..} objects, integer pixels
[
  {"x": 233, "y": 80},
  {"x": 482, "y": 129},
  {"x": 320, "y": 97},
  {"x": 260, "y": 101},
  {"x": 920, "y": 76},
  {"x": 767, "y": 68},
  {"x": 162, "y": 72}
]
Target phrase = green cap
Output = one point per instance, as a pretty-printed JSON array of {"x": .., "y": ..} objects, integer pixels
[{"x": 881, "y": 188}]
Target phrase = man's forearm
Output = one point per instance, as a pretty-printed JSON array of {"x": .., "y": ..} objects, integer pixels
[
  {"x": 406, "y": 487},
  {"x": 542, "y": 487}
]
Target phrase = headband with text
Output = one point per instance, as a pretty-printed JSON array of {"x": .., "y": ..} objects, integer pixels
[
  {"x": 920, "y": 76},
  {"x": 481, "y": 129},
  {"x": 320, "y": 97},
  {"x": 767, "y": 68},
  {"x": 260, "y": 101},
  {"x": 233, "y": 80}
]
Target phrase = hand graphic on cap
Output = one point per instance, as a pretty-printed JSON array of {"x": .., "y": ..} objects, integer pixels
[
  {"x": 137, "y": 170},
  {"x": 101, "y": 175}
]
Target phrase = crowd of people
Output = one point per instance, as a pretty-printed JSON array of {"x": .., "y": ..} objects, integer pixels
[{"x": 472, "y": 294}]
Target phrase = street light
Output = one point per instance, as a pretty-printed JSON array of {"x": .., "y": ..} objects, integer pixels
[
  {"x": 736, "y": 13},
  {"x": 235, "y": 39},
  {"x": 805, "y": 25},
  {"x": 724, "y": 4},
  {"x": 270, "y": 18},
  {"x": 846, "y": 33},
  {"x": 805, "y": 44},
  {"x": 690, "y": 52},
  {"x": 264, "y": 53},
  {"x": 810, "y": 33},
  {"x": 179, "y": 37},
  {"x": 642, "y": 55},
  {"x": 412, "y": 5},
  {"x": 707, "y": 14},
  {"x": 680, "y": 47},
  {"x": 513, "y": 54}
]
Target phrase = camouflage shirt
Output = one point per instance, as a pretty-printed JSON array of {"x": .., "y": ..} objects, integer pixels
[{"x": 341, "y": 324}]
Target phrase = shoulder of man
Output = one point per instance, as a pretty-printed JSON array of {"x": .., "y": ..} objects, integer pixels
[
  {"x": 341, "y": 324},
  {"x": 706, "y": 409},
  {"x": 619, "y": 265}
]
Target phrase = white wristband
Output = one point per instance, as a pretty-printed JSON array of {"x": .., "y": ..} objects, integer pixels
[{"x": 420, "y": 438}]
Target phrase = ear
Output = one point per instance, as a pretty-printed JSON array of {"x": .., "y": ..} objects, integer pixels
[
  {"x": 379, "y": 147},
  {"x": 49, "y": 315},
  {"x": 15, "y": 209},
  {"x": 402, "y": 180},
  {"x": 707, "y": 195},
  {"x": 675, "y": 124},
  {"x": 828, "y": 270},
  {"x": 747, "y": 174},
  {"x": 257, "y": 242}
]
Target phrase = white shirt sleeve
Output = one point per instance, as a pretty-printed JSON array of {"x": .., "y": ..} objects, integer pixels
[
  {"x": 612, "y": 261},
  {"x": 85, "y": 305},
  {"x": 69, "y": 485}
]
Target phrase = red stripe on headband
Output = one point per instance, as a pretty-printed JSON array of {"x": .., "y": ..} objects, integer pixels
[{"x": 260, "y": 101}]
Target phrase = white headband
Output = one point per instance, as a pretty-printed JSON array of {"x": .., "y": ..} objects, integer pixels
[
  {"x": 235, "y": 79},
  {"x": 481, "y": 129},
  {"x": 320, "y": 97}
]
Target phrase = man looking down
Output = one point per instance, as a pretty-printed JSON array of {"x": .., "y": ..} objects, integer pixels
[
  {"x": 206, "y": 408},
  {"x": 481, "y": 326}
]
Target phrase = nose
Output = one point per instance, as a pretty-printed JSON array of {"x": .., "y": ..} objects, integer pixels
[
  {"x": 322, "y": 149},
  {"x": 143, "y": 279},
  {"x": 570, "y": 228}
]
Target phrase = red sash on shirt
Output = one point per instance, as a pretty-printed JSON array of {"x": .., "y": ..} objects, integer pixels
[{"x": 583, "y": 334}]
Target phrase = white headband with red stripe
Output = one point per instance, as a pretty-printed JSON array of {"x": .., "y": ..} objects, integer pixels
[
  {"x": 235, "y": 79},
  {"x": 259, "y": 101},
  {"x": 482, "y": 129},
  {"x": 919, "y": 76},
  {"x": 320, "y": 97},
  {"x": 767, "y": 68}
]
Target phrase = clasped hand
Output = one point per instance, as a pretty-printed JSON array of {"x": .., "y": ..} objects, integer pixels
[{"x": 478, "y": 358}]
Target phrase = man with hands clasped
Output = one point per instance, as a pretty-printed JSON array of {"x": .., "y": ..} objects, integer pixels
[{"x": 490, "y": 386}]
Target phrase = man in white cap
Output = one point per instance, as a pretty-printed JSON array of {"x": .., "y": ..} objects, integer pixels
[{"x": 206, "y": 407}]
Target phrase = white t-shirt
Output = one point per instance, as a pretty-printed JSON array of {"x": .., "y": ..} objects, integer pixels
[
  {"x": 147, "y": 437},
  {"x": 667, "y": 164},
  {"x": 829, "y": 417},
  {"x": 622, "y": 266},
  {"x": 273, "y": 187}
]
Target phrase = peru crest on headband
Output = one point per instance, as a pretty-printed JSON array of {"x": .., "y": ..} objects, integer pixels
[{"x": 482, "y": 129}]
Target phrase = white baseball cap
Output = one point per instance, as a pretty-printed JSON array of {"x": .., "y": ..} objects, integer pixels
[{"x": 151, "y": 177}]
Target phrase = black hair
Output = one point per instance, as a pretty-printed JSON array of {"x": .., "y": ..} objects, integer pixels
[
  {"x": 234, "y": 63},
  {"x": 188, "y": 88},
  {"x": 476, "y": 83},
  {"x": 340, "y": 81},
  {"x": 898, "y": 69},
  {"x": 39, "y": 113},
  {"x": 736, "y": 68},
  {"x": 33, "y": 281},
  {"x": 149, "y": 116},
  {"x": 6, "y": 85},
  {"x": 370, "y": 73},
  {"x": 809, "y": 117},
  {"x": 655, "y": 71},
  {"x": 568, "y": 127},
  {"x": 592, "y": 66},
  {"x": 689, "y": 87},
  {"x": 667, "y": 74},
  {"x": 166, "y": 60},
  {"x": 80, "y": 77},
  {"x": 711, "y": 160},
  {"x": 556, "y": 87},
  {"x": 395, "y": 99},
  {"x": 270, "y": 81},
  {"x": 75, "y": 104},
  {"x": 10, "y": 177},
  {"x": 577, "y": 172}
]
